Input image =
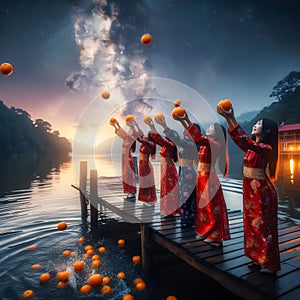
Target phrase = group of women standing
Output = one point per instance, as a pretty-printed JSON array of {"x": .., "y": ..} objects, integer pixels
[{"x": 197, "y": 196}]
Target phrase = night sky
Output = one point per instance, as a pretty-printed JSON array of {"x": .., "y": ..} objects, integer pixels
[{"x": 65, "y": 53}]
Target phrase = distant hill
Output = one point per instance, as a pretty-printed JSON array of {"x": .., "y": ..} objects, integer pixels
[
  {"x": 247, "y": 116},
  {"x": 20, "y": 135}
]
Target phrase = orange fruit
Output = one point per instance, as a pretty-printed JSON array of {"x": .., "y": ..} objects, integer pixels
[
  {"x": 63, "y": 275},
  {"x": 45, "y": 277},
  {"x": 129, "y": 118},
  {"x": 121, "y": 275},
  {"x": 66, "y": 253},
  {"x": 112, "y": 120},
  {"x": 178, "y": 112},
  {"x": 177, "y": 103},
  {"x": 102, "y": 249},
  {"x": 159, "y": 117},
  {"x": 62, "y": 226},
  {"x": 147, "y": 119},
  {"x": 146, "y": 39},
  {"x": 78, "y": 266},
  {"x": 106, "y": 280},
  {"x": 95, "y": 257},
  {"x": 6, "y": 69},
  {"x": 96, "y": 263},
  {"x": 36, "y": 266},
  {"x": 62, "y": 284},
  {"x": 95, "y": 280},
  {"x": 136, "y": 259},
  {"x": 81, "y": 240},
  {"x": 85, "y": 289},
  {"x": 88, "y": 247},
  {"x": 225, "y": 104},
  {"x": 90, "y": 252},
  {"x": 85, "y": 255},
  {"x": 128, "y": 297},
  {"x": 121, "y": 242},
  {"x": 140, "y": 286},
  {"x": 28, "y": 294},
  {"x": 139, "y": 279},
  {"x": 171, "y": 297},
  {"x": 106, "y": 289},
  {"x": 105, "y": 95},
  {"x": 32, "y": 247}
]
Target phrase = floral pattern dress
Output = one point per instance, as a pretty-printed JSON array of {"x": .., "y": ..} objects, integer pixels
[
  {"x": 147, "y": 191},
  {"x": 212, "y": 219},
  {"x": 169, "y": 193},
  {"x": 128, "y": 146},
  {"x": 260, "y": 204}
]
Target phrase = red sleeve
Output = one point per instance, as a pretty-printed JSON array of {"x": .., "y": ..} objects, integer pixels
[
  {"x": 240, "y": 137},
  {"x": 162, "y": 142},
  {"x": 145, "y": 142},
  {"x": 198, "y": 137}
]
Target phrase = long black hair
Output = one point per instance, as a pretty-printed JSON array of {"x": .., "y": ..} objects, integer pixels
[
  {"x": 269, "y": 135},
  {"x": 223, "y": 158},
  {"x": 153, "y": 150}
]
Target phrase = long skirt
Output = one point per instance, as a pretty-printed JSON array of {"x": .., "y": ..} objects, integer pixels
[{"x": 128, "y": 175}]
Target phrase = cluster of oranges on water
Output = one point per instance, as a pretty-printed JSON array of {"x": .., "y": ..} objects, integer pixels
[{"x": 96, "y": 280}]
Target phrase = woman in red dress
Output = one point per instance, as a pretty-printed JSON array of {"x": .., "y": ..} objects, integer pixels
[
  {"x": 212, "y": 220},
  {"x": 169, "y": 193},
  {"x": 259, "y": 194},
  {"x": 128, "y": 147},
  {"x": 147, "y": 192}
]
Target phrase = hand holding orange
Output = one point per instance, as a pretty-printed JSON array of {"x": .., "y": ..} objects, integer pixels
[
  {"x": 225, "y": 104},
  {"x": 178, "y": 112},
  {"x": 159, "y": 117}
]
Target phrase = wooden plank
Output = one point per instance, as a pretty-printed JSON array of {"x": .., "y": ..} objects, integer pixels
[{"x": 290, "y": 295}]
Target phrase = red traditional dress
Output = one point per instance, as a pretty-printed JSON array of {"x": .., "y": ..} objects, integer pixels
[
  {"x": 147, "y": 191},
  {"x": 169, "y": 193},
  {"x": 212, "y": 218},
  {"x": 128, "y": 146},
  {"x": 259, "y": 202}
]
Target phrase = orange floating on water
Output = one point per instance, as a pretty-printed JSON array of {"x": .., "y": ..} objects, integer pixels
[
  {"x": 6, "y": 69},
  {"x": 121, "y": 275},
  {"x": 106, "y": 289},
  {"x": 85, "y": 289},
  {"x": 128, "y": 297},
  {"x": 136, "y": 259},
  {"x": 178, "y": 112},
  {"x": 140, "y": 286},
  {"x": 225, "y": 104},
  {"x": 106, "y": 280},
  {"x": 102, "y": 249},
  {"x": 121, "y": 242},
  {"x": 66, "y": 253},
  {"x": 105, "y": 95},
  {"x": 45, "y": 277},
  {"x": 78, "y": 266},
  {"x": 36, "y": 266},
  {"x": 28, "y": 294},
  {"x": 90, "y": 252},
  {"x": 177, "y": 103},
  {"x": 62, "y": 284},
  {"x": 88, "y": 247},
  {"x": 137, "y": 280},
  {"x": 81, "y": 240},
  {"x": 171, "y": 297},
  {"x": 63, "y": 275},
  {"x": 146, "y": 39},
  {"x": 95, "y": 280},
  {"x": 62, "y": 226},
  {"x": 96, "y": 263},
  {"x": 32, "y": 247}
]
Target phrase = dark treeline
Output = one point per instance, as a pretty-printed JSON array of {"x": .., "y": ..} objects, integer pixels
[
  {"x": 21, "y": 135},
  {"x": 284, "y": 110}
]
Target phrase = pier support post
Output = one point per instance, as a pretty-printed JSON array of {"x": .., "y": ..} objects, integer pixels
[
  {"x": 146, "y": 249},
  {"x": 94, "y": 199},
  {"x": 82, "y": 189}
]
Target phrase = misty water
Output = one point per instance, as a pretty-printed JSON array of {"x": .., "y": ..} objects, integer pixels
[{"x": 36, "y": 195}]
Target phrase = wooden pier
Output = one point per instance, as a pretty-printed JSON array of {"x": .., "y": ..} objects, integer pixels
[{"x": 227, "y": 265}]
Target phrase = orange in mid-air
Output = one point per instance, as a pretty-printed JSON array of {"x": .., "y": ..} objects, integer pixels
[
  {"x": 121, "y": 242},
  {"x": 177, "y": 103},
  {"x": 105, "y": 95},
  {"x": 128, "y": 297},
  {"x": 78, "y": 266},
  {"x": 146, "y": 39},
  {"x": 85, "y": 289},
  {"x": 95, "y": 280},
  {"x": 225, "y": 104},
  {"x": 178, "y": 112},
  {"x": 28, "y": 294},
  {"x": 62, "y": 226},
  {"x": 136, "y": 259},
  {"x": 6, "y": 69},
  {"x": 45, "y": 277}
]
